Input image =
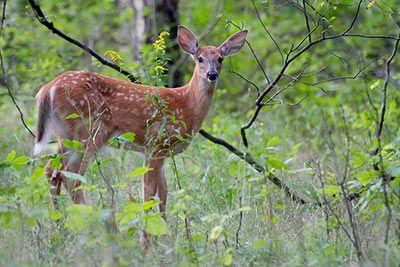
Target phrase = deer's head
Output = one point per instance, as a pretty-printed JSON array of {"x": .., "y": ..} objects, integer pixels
[{"x": 209, "y": 58}]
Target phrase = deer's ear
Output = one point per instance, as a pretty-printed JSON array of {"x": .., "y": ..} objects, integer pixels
[
  {"x": 187, "y": 40},
  {"x": 233, "y": 44}
]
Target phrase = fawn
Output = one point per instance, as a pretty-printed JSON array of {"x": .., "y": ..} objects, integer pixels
[{"x": 105, "y": 107}]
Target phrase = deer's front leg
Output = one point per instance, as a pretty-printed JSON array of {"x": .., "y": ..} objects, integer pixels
[
  {"x": 151, "y": 178},
  {"x": 162, "y": 191}
]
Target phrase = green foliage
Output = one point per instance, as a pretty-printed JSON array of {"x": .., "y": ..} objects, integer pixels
[{"x": 220, "y": 210}]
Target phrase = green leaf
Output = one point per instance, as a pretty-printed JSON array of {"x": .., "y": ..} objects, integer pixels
[
  {"x": 273, "y": 141},
  {"x": 294, "y": 149},
  {"x": 374, "y": 85},
  {"x": 130, "y": 137},
  {"x": 216, "y": 232},
  {"x": 359, "y": 159},
  {"x": 273, "y": 162},
  {"x": 331, "y": 190},
  {"x": 366, "y": 177},
  {"x": 55, "y": 215},
  {"x": 80, "y": 217},
  {"x": 11, "y": 156},
  {"x": 74, "y": 176},
  {"x": 149, "y": 204},
  {"x": 72, "y": 116},
  {"x": 154, "y": 224},
  {"x": 139, "y": 171},
  {"x": 73, "y": 144},
  {"x": 36, "y": 175},
  {"x": 132, "y": 207},
  {"x": 259, "y": 244},
  {"x": 227, "y": 257},
  {"x": 38, "y": 213},
  {"x": 20, "y": 160}
]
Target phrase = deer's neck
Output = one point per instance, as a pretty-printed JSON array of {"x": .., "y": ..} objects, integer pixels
[{"x": 200, "y": 93}]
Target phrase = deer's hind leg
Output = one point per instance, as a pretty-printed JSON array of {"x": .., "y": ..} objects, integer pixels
[
  {"x": 78, "y": 163},
  {"x": 55, "y": 179},
  {"x": 74, "y": 162},
  {"x": 71, "y": 162}
]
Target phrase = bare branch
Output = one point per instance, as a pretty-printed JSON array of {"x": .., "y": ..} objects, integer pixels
[{"x": 252, "y": 162}]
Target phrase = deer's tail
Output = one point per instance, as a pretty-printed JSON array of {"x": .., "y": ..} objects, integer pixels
[{"x": 43, "y": 131}]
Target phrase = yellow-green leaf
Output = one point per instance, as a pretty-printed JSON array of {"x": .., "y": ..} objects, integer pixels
[
  {"x": 139, "y": 171},
  {"x": 228, "y": 259},
  {"x": 20, "y": 160},
  {"x": 55, "y": 215},
  {"x": 215, "y": 232},
  {"x": 367, "y": 177},
  {"x": 36, "y": 175},
  {"x": 72, "y": 116},
  {"x": 154, "y": 224},
  {"x": 273, "y": 141},
  {"x": 273, "y": 162},
  {"x": 11, "y": 156}
]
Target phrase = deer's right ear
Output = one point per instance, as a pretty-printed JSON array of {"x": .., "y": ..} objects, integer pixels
[{"x": 187, "y": 40}]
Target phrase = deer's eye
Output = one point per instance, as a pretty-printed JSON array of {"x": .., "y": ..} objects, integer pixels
[
  {"x": 200, "y": 59},
  {"x": 220, "y": 59}
]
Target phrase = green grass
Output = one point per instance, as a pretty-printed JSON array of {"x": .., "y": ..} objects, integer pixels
[{"x": 217, "y": 189}]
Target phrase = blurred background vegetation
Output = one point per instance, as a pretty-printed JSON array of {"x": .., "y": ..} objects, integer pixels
[{"x": 318, "y": 136}]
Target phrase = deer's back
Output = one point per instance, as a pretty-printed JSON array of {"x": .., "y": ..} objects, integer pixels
[{"x": 91, "y": 105}]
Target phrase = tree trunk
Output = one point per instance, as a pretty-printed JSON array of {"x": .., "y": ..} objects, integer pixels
[
  {"x": 168, "y": 18},
  {"x": 150, "y": 17}
]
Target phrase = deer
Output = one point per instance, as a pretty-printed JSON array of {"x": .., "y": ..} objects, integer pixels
[{"x": 105, "y": 107}]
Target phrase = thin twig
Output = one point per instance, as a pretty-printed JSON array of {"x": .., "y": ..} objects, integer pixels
[
  {"x": 267, "y": 31},
  {"x": 378, "y": 134},
  {"x": 253, "y": 53},
  {"x": 246, "y": 80},
  {"x": 307, "y": 23},
  {"x": 340, "y": 179},
  {"x": 5, "y": 78}
]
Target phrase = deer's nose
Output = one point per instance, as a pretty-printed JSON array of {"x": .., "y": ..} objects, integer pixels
[{"x": 212, "y": 75}]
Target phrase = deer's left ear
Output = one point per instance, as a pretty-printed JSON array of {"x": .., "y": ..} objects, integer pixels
[{"x": 233, "y": 44}]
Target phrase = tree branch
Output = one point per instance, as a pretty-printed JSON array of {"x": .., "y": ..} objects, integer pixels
[
  {"x": 289, "y": 59},
  {"x": 252, "y": 162},
  {"x": 49, "y": 25}
]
